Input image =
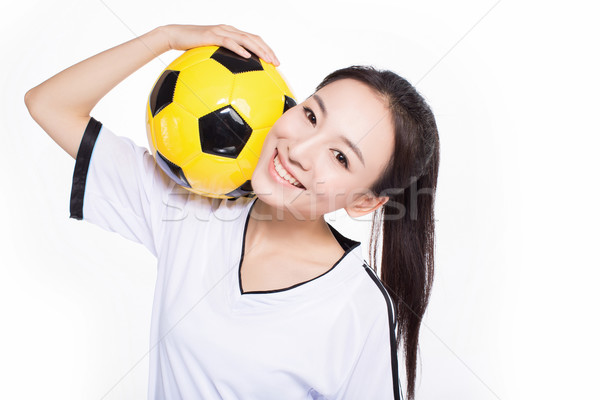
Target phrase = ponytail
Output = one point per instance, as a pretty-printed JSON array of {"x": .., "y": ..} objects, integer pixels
[{"x": 407, "y": 259}]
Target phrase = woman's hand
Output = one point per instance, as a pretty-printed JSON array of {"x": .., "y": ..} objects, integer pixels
[{"x": 185, "y": 37}]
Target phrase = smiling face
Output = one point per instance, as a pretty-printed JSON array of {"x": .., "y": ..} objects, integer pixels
[{"x": 335, "y": 144}]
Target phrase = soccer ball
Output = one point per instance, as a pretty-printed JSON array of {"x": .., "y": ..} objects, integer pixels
[{"x": 208, "y": 115}]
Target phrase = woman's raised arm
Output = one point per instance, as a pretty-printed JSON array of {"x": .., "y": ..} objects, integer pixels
[{"x": 62, "y": 104}]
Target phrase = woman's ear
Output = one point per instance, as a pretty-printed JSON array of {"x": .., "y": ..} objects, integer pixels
[{"x": 365, "y": 204}]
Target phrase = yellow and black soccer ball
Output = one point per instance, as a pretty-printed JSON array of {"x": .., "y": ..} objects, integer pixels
[{"x": 208, "y": 115}]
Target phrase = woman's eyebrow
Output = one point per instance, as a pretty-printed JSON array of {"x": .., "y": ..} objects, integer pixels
[
  {"x": 319, "y": 101},
  {"x": 354, "y": 148}
]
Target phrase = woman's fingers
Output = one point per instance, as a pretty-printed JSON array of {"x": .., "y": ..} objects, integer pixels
[
  {"x": 270, "y": 53},
  {"x": 185, "y": 37},
  {"x": 234, "y": 46},
  {"x": 253, "y": 43}
]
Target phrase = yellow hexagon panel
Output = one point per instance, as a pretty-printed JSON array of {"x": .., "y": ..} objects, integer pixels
[
  {"x": 277, "y": 78},
  {"x": 203, "y": 87},
  {"x": 257, "y": 98},
  {"x": 213, "y": 174},
  {"x": 191, "y": 57},
  {"x": 176, "y": 134},
  {"x": 250, "y": 154}
]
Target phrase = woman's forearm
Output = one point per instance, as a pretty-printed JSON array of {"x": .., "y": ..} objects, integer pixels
[{"x": 62, "y": 104}]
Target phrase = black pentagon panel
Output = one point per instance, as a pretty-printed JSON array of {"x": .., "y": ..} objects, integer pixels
[
  {"x": 162, "y": 93},
  {"x": 223, "y": 132},
  {"x": 236, "y": 63},
  {"x": 245, "y": 190},
  {"x": 172, "y": 170},
  {"x": 288, "y": 103}
]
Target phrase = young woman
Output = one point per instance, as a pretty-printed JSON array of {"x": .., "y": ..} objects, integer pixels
[{"x": 260, "y": 298}]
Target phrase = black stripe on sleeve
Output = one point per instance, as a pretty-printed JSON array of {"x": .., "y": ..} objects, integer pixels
[
  {"x": 82, "y": 163},
  {"x": 392, "y": 325}
]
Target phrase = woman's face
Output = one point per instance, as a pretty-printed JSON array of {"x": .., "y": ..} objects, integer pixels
[{"x": 309, "y": 141}]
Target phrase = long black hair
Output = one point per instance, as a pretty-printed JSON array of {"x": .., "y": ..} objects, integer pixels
[{"x": 406, "y": 220}]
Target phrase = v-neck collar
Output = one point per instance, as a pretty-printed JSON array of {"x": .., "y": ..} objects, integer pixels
[{"x": 348, "y": 245}]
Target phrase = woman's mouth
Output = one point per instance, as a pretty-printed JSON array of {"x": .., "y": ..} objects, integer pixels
[{"x": 281, "y": 175}]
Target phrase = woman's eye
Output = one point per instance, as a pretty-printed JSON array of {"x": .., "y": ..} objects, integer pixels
[
  {"x": 342, "y": 158},
  {"x": 313, "y": 120},
  {"x": 310, "y": 115}
]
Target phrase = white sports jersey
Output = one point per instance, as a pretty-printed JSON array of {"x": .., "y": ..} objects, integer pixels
[{"x": 331, "y": 337}]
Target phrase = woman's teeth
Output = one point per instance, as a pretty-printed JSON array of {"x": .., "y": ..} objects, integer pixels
[{"x": 284, "y": 174}]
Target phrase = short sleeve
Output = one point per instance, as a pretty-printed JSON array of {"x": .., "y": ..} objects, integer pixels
[{"x": 118, "y": 186}]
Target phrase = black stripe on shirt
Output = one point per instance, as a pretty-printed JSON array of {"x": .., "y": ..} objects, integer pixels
[
  {"x": 392, "y": 325},
  {"x": 82, "y": 163}
]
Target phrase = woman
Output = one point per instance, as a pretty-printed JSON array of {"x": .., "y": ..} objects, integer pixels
[{"x": 260, "y": 298}]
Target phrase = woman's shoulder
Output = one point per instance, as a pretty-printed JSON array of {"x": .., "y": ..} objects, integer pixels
[
  {"x": 369, "y": 296},
  {"x": 231, "y": 209},
  {"x": 182, "y": 203}
]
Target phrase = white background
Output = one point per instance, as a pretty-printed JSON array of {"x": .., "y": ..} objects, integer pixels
[{"x": 514, "y": 86}]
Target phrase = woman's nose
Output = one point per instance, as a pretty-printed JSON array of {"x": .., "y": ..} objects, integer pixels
[{"x": 303, "y": 152}]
